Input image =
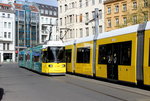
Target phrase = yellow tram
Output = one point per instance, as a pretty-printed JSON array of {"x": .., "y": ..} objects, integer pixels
[{"x": 119, "y": 55}]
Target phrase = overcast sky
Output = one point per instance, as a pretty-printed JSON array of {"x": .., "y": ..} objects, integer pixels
[{"x": 48, "y": 2}]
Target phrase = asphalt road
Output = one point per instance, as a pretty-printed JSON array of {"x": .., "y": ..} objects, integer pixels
[{"x": 19, "y": 84}]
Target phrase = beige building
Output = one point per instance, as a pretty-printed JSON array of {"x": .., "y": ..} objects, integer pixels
[
  {"x": 121, "y": 13},
  {"x": 73, "y": 14}
]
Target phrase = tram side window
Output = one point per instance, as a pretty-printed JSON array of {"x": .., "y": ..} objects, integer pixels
[
  {"x": 20, "y": 57},
  {"x": 105, "y": 52},
  {"x": 123, "y": 49},
  {"x": 102, "y": 58},
  {"x": 27, "y": 57},
  {"x": 44, "y": 56},
  {"x": 68, "y": 55},
  {"x": 83, "y": 55},
  {"x": 125, "y": 53},
  {"x": 36, "y": 58}
]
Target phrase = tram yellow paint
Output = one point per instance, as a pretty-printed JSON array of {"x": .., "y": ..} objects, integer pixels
[
  {"x": 70, "y": 66},
  {"x": 125, "y": 73},
  {"x": 53, "y": 68},
  {"x": 146, "y": 58},
  {"x": 84, "y": 68}
]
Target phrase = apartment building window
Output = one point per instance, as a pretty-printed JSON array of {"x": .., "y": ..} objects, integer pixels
[
  {"x": 76, "y": 18},
  {"x": 76, "y": 33},
  {"x": 42, "y": 19},
  {"x": 134, "y": 5},
  {"x": 8, "y": 15},
  {"x": 50, "y": 12},
  {"x": 71, "y": 33},
  {"x": 100, "y": 14},
  {"x": 93, "y": 14},
  {"x": 100, "y": 29},
  {"x": 109, "y": 23},
  {"x": 50, "y": 21},
  {"x": 125, "y": 20},
  {"x": 124, "y": 7},
  {"x": 93, "y": 2},
  {"x": 73, "y": 5},
  {"x": 109, "y": 10},
  {"x": 146, "y": 16},
  {"x": 65, "y": 20},
  {"x": 117, "y": 21},
  {"x": 80, "y": 2},
  {"x": 80, "y": 17},
  {"x": 5, "y": 24},
  {"x": 46, "y": 20},
  {"x": 134, "y": 19},
  {"x": 3, "y": 46},
  {"x": 81, "y": 32},
  {"x": 46, "y": 11},
  {"x": 3, "y": 14},
  {"x": 55, "y": 13},
  {"x": 145, "y": 3},
  {"x": 7, "y": 46},
  {"x": 93, "y": 29},
  {"x": 60, "y": 21},
  {"x": 116, "y": 9},
  {"x": 87, "y": 31},
  {"x": 87, "y": 16},
  {"x": 66, "y": 7},
  {"x": 5, "y": 34},
  {"x": 9, "y": 34},
  {"x": 86, "y": 3},
  {"x": 60, "y": 9},
  {"x": 9, "y": 25},
  {"x": 42, "y": 11},
  {"x": 70, "y": 18},
  {"x": 100, "y": 1}
]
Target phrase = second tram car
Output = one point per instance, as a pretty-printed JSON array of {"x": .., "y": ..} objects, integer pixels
[{"x": 119, "y": 55}]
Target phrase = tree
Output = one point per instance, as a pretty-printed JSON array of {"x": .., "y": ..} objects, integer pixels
[{"x": 138, "y": 12}]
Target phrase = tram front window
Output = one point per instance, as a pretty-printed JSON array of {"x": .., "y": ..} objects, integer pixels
[{"x": 54, "y": 54}]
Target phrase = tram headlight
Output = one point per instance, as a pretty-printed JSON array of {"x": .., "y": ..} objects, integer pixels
[
  {"x": 50, "y": 65},
  {"x": 63, "y": 65}
]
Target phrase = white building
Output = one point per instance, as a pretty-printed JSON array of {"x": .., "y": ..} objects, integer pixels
[
  {"x": 7, "y": 1},
  {"x": 7, "y": 32},
  {"x": 73, "y": 14},
  {"x": 48, "y": 23}
]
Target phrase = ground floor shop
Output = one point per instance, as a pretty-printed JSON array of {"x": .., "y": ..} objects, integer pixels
[{"x": 7, "y": 56}]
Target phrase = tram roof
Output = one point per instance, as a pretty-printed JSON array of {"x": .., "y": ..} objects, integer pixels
[
  {"x": 69, "y": 43},
  {"x": 85, "y": 39},
  {"x": 148, "y": 25},
  {"x": 121, "y": 31},
  {"x": 54, "y": 43}
]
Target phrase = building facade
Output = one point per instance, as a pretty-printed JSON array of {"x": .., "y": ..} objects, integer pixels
[
  {"x": 122, "y": 13},
  {"x": 27, "y": 26},
  {"x": 73, "y": 14},
  {"x": 7, "y": 33},
  {"x": 48, "y": 27},
  {"x": 7, "y": 1}
]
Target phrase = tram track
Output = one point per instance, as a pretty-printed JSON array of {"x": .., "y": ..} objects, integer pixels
[
  {"x": 101, "y": 92},
  {"x": 84, "y": 87},
  {"x": 118, "y": 88}
]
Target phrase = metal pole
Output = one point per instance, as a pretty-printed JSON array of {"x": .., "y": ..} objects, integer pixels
[{"x": 96, "y": 21}]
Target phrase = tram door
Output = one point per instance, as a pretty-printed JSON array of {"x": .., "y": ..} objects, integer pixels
[{"x": 112, "y": 64}]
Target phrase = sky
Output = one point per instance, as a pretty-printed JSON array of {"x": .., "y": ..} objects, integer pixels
[{"x": 48, "y": 2}]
